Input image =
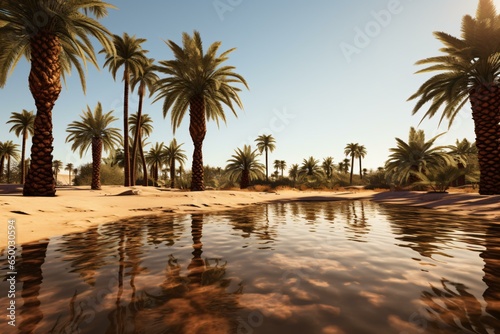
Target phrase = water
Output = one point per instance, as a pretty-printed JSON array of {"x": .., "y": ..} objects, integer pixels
[{"x": 315, "y": 267}]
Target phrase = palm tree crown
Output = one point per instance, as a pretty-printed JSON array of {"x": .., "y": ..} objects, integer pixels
[
  {"x": 415, "y": 156},
  {"x": 196, "y": 80},
  {"x": 469, "y": 70},
  {"x": 244, "y": 166},
  {"x": 94, "y": 131},
  {"x": 310, "y": 167},
  {"x": 53, "y": 46},
  {"x": 24, "y": 126}
]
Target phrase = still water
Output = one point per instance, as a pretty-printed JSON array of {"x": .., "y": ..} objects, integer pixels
[{"x": 315, "y": 267}]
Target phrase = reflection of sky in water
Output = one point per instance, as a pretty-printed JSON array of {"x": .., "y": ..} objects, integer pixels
[{"x": 338, "y": 267}]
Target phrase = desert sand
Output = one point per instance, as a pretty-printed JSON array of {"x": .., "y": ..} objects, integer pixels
[{"x": 75, "y": 209}]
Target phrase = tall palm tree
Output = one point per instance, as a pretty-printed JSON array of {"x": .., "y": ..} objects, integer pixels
[
  {"x": 352, "y": 150},
  {"x": 145, "y": 128},
  {"x": 470, "y": 70},
  {"x": 328, "y": 166},
  {"x": 310, "y": 167},
  {"x": 244, "y": 166},
  {"x": 266, "y": 143},
  {"x": 131, "y": 56},
  {"x": 23, "y": 124},
  {"x": 69, "y": 167},
  {"x": 154, "y": 158},
  {"x": 146, "y": 78},
  {"x": 58, "y": 41},
  {"x": 360, "y": 154},
  {"x": 56, "y": 166},
  {"x": 415, "y": 156},
  {"x": 8, "y": 150},
  {"x": 173, "y": 153},
  {"x": 94, "y": 131},
  {"x": 195, "y": 80}
]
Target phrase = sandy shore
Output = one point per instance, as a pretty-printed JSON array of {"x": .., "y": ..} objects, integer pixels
[{"x": 78, "y": 208}]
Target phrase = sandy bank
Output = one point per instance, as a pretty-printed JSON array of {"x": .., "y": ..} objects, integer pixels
[{"x": 78, "y": 208}]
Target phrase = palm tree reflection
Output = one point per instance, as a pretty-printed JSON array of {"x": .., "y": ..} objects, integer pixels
[
  {"x": 30, "y": 274},
  {"x": 196, "y": 302},
  {"x": 452, "y": 307},
  {"x": 491, "y": 257}
]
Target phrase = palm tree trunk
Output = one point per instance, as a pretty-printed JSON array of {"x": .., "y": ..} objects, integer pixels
[
  {"x": 360, "y": 169},
  {"x": 197, "y": 130},
  {"x": 96, "y": 163},
  {"x": 137, "y": 135},
  {"x": 2, "y": 161},
  {"x": 267, "y": 172},
  {"x": 45, "y": 86},
  {"x": 352, "y": 169},
  {"x": 23, "y": 153},
  {"x": 8, "y": 169},
  {"x": 126, "y": 152},
  {"x": 145, "y": 167},
  {"x": 245, "y": 179},
  {"x": 485, "y": 102},
  {"x": 172, "y": 174}
]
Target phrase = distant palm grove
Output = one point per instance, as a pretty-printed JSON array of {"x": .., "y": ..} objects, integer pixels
[{"x": 202, "y": 85}]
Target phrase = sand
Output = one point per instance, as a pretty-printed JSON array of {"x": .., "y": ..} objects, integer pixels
[{"x": 75, "y": 209}]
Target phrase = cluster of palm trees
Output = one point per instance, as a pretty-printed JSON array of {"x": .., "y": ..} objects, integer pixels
[
  {"x": 418, "y": 162},
  {"x": 244, "y": 167},
  {"x": 196, "y": 80}
]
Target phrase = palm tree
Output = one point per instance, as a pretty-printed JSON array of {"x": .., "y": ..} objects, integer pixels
[
  {"x": 276, "y": 167},
  {"x": 266, "y": 143},
  {"x": 469, "y": 70},
  {"x": 69, "y": 167},
  {"x": 131, "y": 56},
  {"x": 57, "y": 165},
  {"x": 94, "y": 131},
  {"x": 23, "y": 124},
  {"x": 465, "y": 154},
  {"x": 8, "y": 150},
  {"x": 352, "y": 150},
  {"x": 415, "y": 156},
  {"x": 146, "y": 79},
  {"x": 360, "y": 154},
  {"x": 154, "y": 158},
  {"x": 344, "y": 166},
  {"x": 328, "y": 166},
  {"x": 173, "y": 153},
  {"x": 310, "y": 167},
  {"x": 282, "y": 166},
  {"x": 53, "y": 46},
  {"x": 196, "y": 80},
  {"x": 244, "y": 166},
  {"x": 293, "y": 172},
  {"x": 145, "y": 128}
]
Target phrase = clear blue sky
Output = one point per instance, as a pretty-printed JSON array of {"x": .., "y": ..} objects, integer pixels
[{"x": 316, "y": 83}]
